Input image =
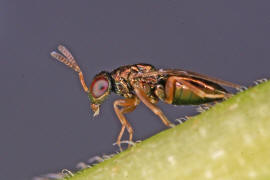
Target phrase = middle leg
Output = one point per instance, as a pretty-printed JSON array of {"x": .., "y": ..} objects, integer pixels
[{"x": 143, "y": 97}]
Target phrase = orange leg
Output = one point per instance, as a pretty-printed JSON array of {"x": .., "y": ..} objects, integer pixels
[
  {"x": 128, "y": 105},
  {"x": 170, "y": 87},
  {"x": 143, "y": 97}
]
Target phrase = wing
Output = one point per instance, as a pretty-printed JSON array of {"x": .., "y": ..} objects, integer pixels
[{"x": 184, "y": 73}]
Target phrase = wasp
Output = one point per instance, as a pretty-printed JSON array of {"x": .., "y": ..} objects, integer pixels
[{"x": 147, "y": 84}]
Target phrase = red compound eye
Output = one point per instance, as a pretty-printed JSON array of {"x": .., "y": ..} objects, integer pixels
[{"x": 99, "y": 87}]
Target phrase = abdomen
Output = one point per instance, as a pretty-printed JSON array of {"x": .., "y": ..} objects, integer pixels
[{"x": 184, "y": 96}]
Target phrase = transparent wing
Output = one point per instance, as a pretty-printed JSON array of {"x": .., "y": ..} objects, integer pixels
[
  {"x": 184, "y": 73},
  {"x": 205, "y": 77}
]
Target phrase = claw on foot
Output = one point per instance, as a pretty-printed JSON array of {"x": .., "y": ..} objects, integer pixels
[{"x": 130, "y": 143}]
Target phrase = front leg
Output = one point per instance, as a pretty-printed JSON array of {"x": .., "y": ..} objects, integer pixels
[
  {"x": 143, "y": 97},
  {"x": 127, "y": 105}
]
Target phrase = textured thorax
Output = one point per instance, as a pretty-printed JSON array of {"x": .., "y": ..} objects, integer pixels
[{"x": 123, "y": 78}]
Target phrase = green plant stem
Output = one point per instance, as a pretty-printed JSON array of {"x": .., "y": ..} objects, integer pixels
[{"x": 229, "y": 141}]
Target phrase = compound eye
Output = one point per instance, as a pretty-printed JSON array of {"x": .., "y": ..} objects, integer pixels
[{"x": 99, "y": 87}]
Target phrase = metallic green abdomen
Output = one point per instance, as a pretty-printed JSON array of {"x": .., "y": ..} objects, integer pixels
[{"x": 184, "y": 96}]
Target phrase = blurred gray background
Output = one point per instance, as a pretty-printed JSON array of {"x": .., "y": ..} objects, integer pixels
[{"x": 45, "y": 120}]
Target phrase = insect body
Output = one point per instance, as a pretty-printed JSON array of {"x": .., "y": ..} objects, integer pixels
[{"x": 144, "y": 83}]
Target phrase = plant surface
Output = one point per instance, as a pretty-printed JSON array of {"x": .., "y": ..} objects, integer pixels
[{"x": 229, "y": 141}]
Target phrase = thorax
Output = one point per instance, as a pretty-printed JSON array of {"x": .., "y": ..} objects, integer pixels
[{"x": 123, "y": 80}]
